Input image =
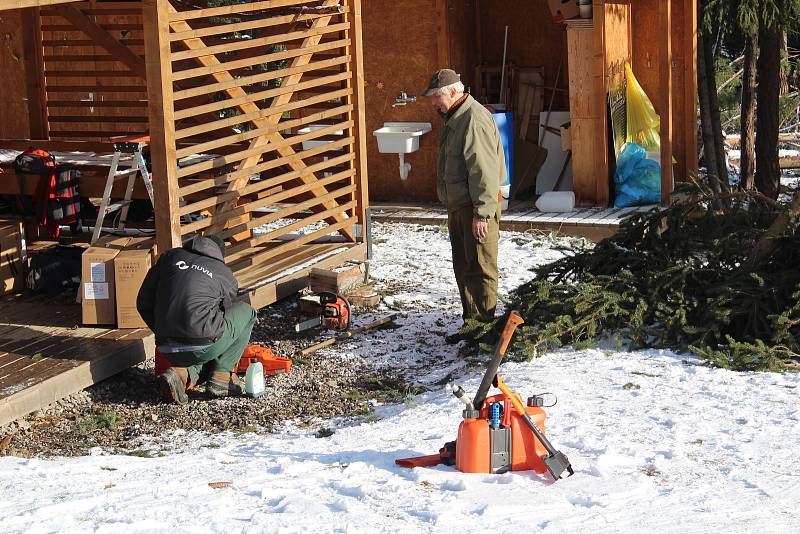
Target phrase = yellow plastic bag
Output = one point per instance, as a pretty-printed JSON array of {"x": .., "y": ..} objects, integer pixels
[{"x": 643, "y": 122}]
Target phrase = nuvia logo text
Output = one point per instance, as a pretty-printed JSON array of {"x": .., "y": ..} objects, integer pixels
[{"x": 182, "y": 265}]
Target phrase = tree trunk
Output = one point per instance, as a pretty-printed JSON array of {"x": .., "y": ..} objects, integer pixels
[
  {"x": 716, "y": 121},
  {"x": 768, "y": 172},
  {"x": 704, "y": 88},
  {"x": 747, "y": 143},
  {"x": 763, "y": 249}
]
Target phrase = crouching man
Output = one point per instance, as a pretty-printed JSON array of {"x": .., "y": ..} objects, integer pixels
[{"x": 188, "y": 299}]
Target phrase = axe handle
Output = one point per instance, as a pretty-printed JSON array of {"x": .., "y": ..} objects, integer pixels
[{"x": 514, "y": 320}]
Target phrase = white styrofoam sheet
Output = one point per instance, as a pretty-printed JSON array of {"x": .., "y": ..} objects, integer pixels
[{"x": 548, "y": 174}]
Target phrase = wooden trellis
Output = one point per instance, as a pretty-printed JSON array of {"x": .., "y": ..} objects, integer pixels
[
  {"x": 265, "y": 92},
  {"x": 254, "y": 110}
]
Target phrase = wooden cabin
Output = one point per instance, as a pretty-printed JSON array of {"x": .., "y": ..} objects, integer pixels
[
  {"x": 254, "y": 113},
  {"x": 575, "y": 64}
]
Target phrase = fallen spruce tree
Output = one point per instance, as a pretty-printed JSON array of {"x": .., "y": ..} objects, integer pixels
[{"x": 715, "y": 275}]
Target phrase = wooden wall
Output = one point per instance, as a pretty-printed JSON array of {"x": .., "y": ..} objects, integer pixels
[
  {"x": 13, "y": 104},
  {"x": 400, "y": 54}
]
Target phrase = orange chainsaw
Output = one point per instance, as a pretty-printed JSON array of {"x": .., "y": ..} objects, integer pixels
[
  {"x": 273, "y": 365},
  {"x": 334, "y": 314}
]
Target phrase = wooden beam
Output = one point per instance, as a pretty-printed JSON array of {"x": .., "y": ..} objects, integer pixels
[
  {"x": 358, "y": 115},
  {"x": 690, "y": 85},
  {"x": 34, "y": 73},
  {"x": 599, "y": 105},
  {"x": 665, "y": 97},
  {"x": 22, "y": 4},
  {"x": 292, "y": 283},
  {"x": 104, "y": 39},
  {"x": 162, "y": 123},
  {"x": 442, "y": 35}
]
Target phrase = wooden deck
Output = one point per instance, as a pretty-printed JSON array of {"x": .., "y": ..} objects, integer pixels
[
  {"x": 45, "y": 353},
  {"x": 591, "y": 223}
]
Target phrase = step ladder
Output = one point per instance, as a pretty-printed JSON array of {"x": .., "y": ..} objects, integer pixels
[{"x": 127, "y": 154}]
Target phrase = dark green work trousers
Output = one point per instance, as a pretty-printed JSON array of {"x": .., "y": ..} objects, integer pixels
[
  {"x": 226, "y": 352},
  {"x": 474, "y": 264}
]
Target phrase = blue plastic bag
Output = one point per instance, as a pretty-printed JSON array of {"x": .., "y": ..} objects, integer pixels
[{"x": 638, "y": 179}]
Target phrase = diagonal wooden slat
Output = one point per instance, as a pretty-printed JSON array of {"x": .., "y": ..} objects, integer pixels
[
  {"x": 248, "y": 107},
  {"x": 104, "y": 39}
]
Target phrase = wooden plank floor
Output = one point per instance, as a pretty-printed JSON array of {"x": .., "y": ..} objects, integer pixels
[
  {"x": 591, "y": 223},
  {"x": 45, "y": 353}
]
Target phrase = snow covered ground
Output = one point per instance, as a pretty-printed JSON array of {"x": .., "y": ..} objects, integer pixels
[{"x": 659, "y": 443}]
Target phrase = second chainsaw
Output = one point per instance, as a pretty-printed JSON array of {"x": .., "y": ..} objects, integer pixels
[{"x": 333, "y": 313}]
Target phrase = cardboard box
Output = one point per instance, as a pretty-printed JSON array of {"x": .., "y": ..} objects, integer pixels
[
  {"x": 12, "y": 255},
  {"x": 98, "y": 289},
  {"x": 563, "y": 9},
  {"x": 130, "y": 267}
]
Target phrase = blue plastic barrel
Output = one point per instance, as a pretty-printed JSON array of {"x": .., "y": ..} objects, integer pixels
[{"x": 505, "y": 124}]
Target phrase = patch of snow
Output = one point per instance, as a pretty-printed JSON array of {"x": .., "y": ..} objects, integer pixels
[{"x": 659, "y": 442}]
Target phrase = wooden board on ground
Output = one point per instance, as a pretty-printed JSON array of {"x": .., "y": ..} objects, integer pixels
[
  {"x": 338, "y": 280},
  {"x": 45, "y": 355}
]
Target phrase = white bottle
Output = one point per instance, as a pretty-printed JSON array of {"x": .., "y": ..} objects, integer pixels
[{"x": 254, "y": 379}]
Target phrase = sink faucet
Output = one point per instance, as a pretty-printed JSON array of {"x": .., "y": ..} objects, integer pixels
[{"x": 403, "y": 99}]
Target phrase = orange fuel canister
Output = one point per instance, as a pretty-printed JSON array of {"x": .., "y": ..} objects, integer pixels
[
  {"x": 526, "y": 450},
  {"x": 473, "y": 454}
]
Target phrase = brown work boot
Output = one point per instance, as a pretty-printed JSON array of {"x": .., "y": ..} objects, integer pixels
[
  {"x": 172, "y": 384},
  {"x": 224, "y": 384}
]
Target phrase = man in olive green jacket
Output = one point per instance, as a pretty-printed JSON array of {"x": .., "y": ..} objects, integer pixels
[{"x": 470, "y": 170}]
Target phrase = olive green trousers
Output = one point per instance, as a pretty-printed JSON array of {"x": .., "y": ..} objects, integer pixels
[{"x": 474, "y": 264}]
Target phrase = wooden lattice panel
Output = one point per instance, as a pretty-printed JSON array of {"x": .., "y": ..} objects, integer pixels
[
  {"x": 94, "y": 70},
  {"x": 267, "y": 90}
]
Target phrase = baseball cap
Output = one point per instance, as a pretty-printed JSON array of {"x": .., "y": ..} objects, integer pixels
[{"x": 441, "y": 78}]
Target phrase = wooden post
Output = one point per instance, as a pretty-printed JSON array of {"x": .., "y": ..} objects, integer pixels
[
  {"x": 162, "y": 123},
  {"x": 665, "y": 97},
  {"x": 690, "y": 84},
  {"x": 442, "y": 35},
  {"x": 358, "y": 115},
  {"x": 34, "y": 73},
  {"x": 600, "y": 155}
]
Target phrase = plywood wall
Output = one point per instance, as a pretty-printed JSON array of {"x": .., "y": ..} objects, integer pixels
[
  {"x": 400, "y": 53},
  {"x": 13, "y": 98}
]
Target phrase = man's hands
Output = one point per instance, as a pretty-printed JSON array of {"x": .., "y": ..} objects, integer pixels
[{"x": 479, "y": 229}]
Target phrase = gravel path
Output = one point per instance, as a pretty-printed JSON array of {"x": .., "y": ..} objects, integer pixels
[{"x": 124, "y": 413}]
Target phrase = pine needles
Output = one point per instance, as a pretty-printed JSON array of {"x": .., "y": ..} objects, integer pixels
[{"x": 675, "y": 278}]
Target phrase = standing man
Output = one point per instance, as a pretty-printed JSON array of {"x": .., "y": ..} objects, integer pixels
[
  {"x": 188, "y": 299},
  {"x": 470, "y": 170}
]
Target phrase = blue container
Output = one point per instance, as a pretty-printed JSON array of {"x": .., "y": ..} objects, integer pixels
[{"x": 505, "y": 124}]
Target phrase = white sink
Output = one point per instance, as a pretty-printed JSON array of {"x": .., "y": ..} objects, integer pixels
[
  {"x": 308, "y": 145},
  {"x": 400, "y": 137}
]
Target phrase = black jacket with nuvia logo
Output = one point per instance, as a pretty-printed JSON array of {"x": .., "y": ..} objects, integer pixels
[{"x": 184, "y": 295}]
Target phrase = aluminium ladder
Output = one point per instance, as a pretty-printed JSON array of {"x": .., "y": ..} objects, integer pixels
[{"x": 131, "y": 149}]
